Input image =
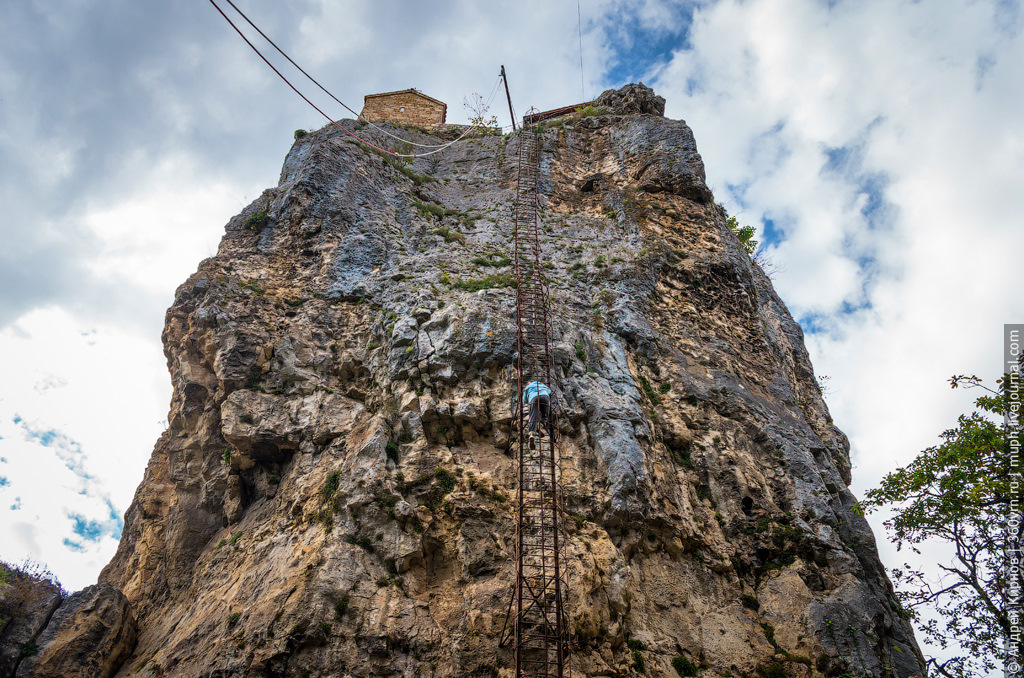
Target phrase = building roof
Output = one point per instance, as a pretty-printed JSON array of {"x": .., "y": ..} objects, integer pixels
[
  {"x": 405, "y": 91},
  {"x": 534, "y": 118}
]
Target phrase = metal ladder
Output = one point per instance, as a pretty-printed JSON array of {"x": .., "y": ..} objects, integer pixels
[{"x": 538, "y": 612}]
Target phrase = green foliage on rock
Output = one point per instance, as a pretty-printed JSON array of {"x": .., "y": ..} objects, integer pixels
[
  {"x": 257, "y": 220},
  {"x": 446, "y": 481},
  {"x": 684, "y": 667},
  {"x": 636, "y": 647},
  {"x": 745, "y": 235},
  {"x": 486, "y": 282},
  {"x": 330, "y": 486},
  {"x": 490, "y": 261},
  {"x": 649, "y": 392}
]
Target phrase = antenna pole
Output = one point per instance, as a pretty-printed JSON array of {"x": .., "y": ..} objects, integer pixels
[{"x": 504, "y": 79}]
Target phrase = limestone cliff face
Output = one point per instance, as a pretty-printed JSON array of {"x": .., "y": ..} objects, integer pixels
[{"x": 333, "y": 495}]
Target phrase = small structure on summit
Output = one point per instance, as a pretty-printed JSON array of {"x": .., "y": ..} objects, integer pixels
[
  {"x": 534, "y": 118},
  {"x": 405, "y": 106},
  {"x": 632, "y": 99}
]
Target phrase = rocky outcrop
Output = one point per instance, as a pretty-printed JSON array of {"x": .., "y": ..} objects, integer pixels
[
  {"x": 26, "y": 604},
  {"x": 89, "y": 635},
  {"x": 633, "y": 99},
  {"x": 333, "y": 493}
]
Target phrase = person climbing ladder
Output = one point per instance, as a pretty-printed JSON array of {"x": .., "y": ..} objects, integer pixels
[{"x": 537, "y": 397}]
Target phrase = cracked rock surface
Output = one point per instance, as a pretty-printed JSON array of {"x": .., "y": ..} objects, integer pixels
[{"x": 333, "y": 495}]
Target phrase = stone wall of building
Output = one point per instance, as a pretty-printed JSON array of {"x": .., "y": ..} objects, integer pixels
[{"x": 405, "y": 107}]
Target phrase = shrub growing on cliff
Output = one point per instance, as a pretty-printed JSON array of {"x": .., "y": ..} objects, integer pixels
[
  {"x": 450, "y": 235},
  {"x": 961, "y": 492},
  {"x": 581, "y": 354},
  {"x": 340, "y": 607},
  {"x": 745, "y": 235},
  {"x": 490, "y": 261},
  {"x": 477, "y": 109},
  {"x": 649, "y": 392},
  {"x": 256, "y": 220},
  {"x": 446, "y": 481},
  {"x": 330, "y": 486},
  {"x": 20, "y": 584},
  {"x": 255, "y": 376},
  {"x": 589, "y": 110},
  {"x": 637, "y": 647},
  {"x": 684, "y": 667}
]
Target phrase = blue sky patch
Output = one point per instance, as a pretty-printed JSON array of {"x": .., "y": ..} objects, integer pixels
[
  {"x": 68, "y": 450},
  {"x": 847, "y": 163},
  {"x": 74, "y": 546},
  {"x": 94, "y": 530},
  {"x": 813, "y": 322},
  {"x": 770, "y": 233},
  {"x": 639, "y": 50},
  {"x": 4, "y": 482}
]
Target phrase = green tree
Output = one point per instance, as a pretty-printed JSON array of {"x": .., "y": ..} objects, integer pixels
[
  {"x": 745, "y": 234},
  {"x": 959, "y": 492}
]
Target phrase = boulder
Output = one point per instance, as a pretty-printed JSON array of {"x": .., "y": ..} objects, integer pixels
[
  {"x": 32, "y": 602},
  {"x": 89, "y": 636}
]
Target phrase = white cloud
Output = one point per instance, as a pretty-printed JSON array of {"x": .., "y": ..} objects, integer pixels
[
  {"x": 154, "y": 238},
  {"x": 76, "y": 447}
]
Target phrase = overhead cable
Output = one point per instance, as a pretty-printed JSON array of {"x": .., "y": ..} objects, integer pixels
[
  {"x": 324, "y": 89},
  {"x": 579, "y": 27},
  {"x": 318, "y": 110}
]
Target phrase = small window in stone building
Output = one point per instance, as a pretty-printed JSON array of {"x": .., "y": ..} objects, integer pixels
[{"x": 401, "y": 109}]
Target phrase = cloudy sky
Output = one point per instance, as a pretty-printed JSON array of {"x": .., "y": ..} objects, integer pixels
[{"x": 877, "y": 145}]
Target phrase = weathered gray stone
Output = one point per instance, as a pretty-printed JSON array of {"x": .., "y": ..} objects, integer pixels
[{"x": 632, "y": 99}]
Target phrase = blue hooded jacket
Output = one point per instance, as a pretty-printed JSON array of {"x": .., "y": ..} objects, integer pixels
[{"x": 534, "y": 389}]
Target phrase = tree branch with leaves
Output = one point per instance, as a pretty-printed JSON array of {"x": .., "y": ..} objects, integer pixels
[{"x": 959, "y": 493}]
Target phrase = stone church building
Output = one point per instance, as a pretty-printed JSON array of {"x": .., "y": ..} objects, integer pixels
[{"x": 404, "y": 106}]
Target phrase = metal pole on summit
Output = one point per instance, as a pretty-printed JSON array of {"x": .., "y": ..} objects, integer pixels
[{"x": 504, "y": 79}]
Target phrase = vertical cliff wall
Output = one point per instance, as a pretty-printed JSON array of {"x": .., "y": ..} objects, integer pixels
[{"x": 332, "y": 495}]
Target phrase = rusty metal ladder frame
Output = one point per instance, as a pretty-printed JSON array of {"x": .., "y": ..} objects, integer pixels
[{"x": 537, "y": 611}]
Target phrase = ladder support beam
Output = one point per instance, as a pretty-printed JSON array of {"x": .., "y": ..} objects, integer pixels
[{"x": 538, "y": 611}]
